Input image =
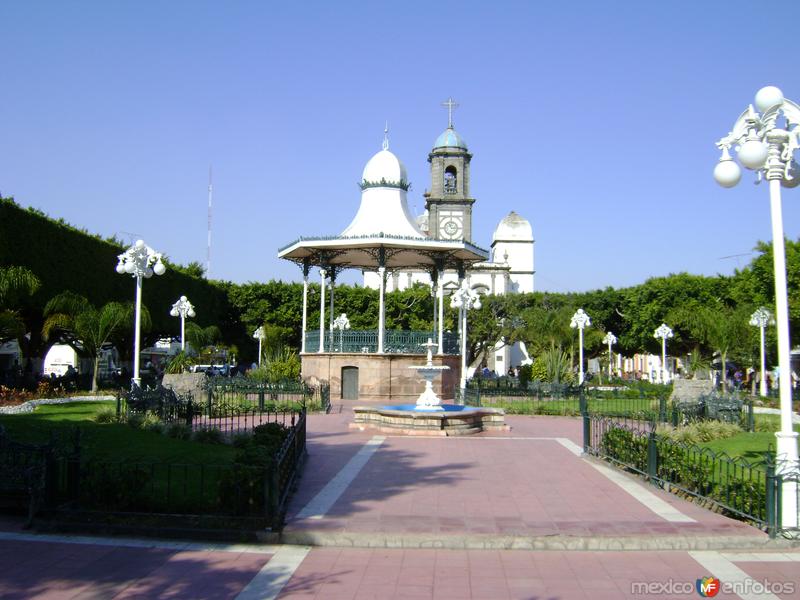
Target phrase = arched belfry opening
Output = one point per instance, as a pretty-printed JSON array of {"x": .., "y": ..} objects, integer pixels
[{"x": 450, "y": 180}]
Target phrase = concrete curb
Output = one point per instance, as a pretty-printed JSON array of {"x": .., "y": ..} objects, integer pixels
[
  {"x": 513, "y": 542},
  {"x": 27, "y": 407}
]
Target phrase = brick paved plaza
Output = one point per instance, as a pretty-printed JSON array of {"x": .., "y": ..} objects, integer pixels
[{"x": 506, "y": 515}]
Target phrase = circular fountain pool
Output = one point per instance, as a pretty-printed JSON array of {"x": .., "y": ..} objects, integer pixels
[{"x": 442, "y": 420}]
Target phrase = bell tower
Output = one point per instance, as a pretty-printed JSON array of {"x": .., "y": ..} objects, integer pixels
[{"x": 448, "y": 202}]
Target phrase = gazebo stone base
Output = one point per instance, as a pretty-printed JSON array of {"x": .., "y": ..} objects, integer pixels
[
  {"x": 379, "y": 377},
  {"x": 459, "y": 421}
]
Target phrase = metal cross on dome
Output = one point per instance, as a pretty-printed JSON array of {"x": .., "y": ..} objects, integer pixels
[{"x": 450, "y": 104}]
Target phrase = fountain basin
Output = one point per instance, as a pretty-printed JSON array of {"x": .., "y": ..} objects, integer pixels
[{"x": 443, "y": 420}]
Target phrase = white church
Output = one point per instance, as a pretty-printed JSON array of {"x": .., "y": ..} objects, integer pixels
[{"x": 448, "y": 216}]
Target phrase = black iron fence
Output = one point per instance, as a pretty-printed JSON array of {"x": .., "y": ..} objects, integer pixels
[
  {"x": 162, "y": 492},
  {"x": 557, "y": 400},
  {"x": 753, "y": 491}
]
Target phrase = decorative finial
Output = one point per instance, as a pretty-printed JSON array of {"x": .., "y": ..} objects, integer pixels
[
  {"x": 450, "y": 104},
  {"x": 386, "y": 136}
]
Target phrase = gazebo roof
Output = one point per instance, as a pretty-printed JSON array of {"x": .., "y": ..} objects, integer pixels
[{"x": 363, "y": 252}]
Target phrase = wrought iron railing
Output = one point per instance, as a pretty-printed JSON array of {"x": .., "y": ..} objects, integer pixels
[
  {"x": 740, "y": 488},
  {"x": 366, "y": 341}
]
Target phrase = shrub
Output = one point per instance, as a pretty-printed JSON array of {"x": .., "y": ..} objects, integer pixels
[
  {"x": 114, "y": 486},
  {"x": 208, "y": 435},
  {"x": 106, "y": 415},
  {"x": 179, "y": 363},
  {"x": 699, "y": 432},
  {"x": 179, "y": 431},
  {"x": 241, "y": 440},
  {"x": 134, "y": 420}
]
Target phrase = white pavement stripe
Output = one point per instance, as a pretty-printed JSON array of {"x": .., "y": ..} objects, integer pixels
[
  {"x": 273, "y": 576},
  {"x": 327, "y": 496},
  {"x": 660, "y": 507},
  {"x": 138, "y": 543},
  {"x": 762, "y": 557},
  {"x": 718, "y": 566}
]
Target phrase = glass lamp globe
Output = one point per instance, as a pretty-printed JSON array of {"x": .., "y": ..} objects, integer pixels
[
  {"x": 794, "y": 172},
  {"x": 139, "y": 244},
  {"x": 159, "y": 268},
  {"x": 727, "y": 173},
  {"x": 477, "y": 304},
  {"x": 173, "y": 312},
  {"x": 753, "y": 154},
  {"x": 191, "y": 312},
  {"x": 148, "y": 273},
  {"x": 120, "y": 268},
  {"x": 767, "y": 97},
  {"x": 130, "y": 267}
]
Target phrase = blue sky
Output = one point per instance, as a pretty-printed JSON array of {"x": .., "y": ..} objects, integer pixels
[{"x": 596, "y": 121}]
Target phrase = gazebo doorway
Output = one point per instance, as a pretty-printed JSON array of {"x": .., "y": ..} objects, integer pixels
[{"x": 349, "y": 383}]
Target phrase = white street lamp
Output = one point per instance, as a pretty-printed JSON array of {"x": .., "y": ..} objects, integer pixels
[
  {"x": 766, "y": 143},
  {"x": 610, "y": 339},
  {"x": 761, "y": 318},
  {"x": 580, "y": 320},
  {"x": 664, "y": 333},
  {"x": 341, "y": 323},
  {"x": 464, "y": 299},
  {"x": 260, "y": 336},
  {"x": 182, "y": 308},
  {"x": 139, "y": 261}
]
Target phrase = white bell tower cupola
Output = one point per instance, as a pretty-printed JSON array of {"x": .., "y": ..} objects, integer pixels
[{"x": 512, "y": 243}]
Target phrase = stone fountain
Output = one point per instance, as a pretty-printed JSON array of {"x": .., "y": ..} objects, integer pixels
[
  {"x": 428, "y": 400},
  {"x": 429, "y": 417}
]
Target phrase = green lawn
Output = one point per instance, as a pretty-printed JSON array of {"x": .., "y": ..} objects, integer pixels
[
  {"x": 109, "y": 441},
  {"x": 751, "y": 446}
]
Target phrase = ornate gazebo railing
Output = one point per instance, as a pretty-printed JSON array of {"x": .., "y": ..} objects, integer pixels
[{"x": 366, "y": 342}]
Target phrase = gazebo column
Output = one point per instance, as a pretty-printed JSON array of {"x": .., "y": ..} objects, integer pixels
[
  {"x": 322, "y": 310},
  {"x": 305, "y": 307},
  {"x": 333, "y": 284},
  {"x": 440, "y": 296},
  {"x": 381, "y": 308}
]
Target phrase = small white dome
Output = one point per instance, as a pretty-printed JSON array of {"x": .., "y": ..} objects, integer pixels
[
  {"x": 513, "y": 228},
  {"x": 384, "y": 167}
]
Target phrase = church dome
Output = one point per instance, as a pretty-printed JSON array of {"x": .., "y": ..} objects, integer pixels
[
  {"x": 384, "y": 168},
  {"x": 450, "y": 139},
  {"x": 513, "y": 228}
]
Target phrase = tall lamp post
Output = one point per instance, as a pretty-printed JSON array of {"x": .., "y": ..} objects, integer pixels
[
  {"x": 341, "y": 323},
  {"x": 664, "y": 333},
  {"x": 464, "y": 299},
  {"x": 182, "y": 308},
  {"x": 765, "y": 142},
  {"x": 260, "y": 336},
  {"x": 580, "y": 320},
  {"x": 761, "y": 318},
  {"x": 139, "y": 261},
  {"x": 610, "y": 339}
]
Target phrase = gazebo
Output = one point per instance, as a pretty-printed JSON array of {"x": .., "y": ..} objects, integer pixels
[{"x": 382, "y": 237}]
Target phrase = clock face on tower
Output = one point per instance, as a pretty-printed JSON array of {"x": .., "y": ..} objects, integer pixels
[{"x": 451, "y": 225}]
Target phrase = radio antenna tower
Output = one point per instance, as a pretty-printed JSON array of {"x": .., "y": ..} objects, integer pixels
[{"x": 208, "y": 250}]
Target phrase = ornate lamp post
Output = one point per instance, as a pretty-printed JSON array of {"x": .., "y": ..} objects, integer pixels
[
  {"x": 182, "y": 308},
  {"x": 580, "y": 320},
  {"x": 341, "y": 323},
  {"x": 664, "y": 333},
  {"x": 464, "y": 299},
  {"x": 260, "y": 336},
  {"x": 761, "y": 318},
  {"x": 139, "y": 261},
  {"x": 765, "y": 142},
  {"x": 610, "y": 339}
]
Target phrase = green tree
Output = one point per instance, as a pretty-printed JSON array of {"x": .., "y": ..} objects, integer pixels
[
  {"x": 723, "y": 328},
  {"x": 17, "y": 284},
  {"x": 73, "y": 319}
]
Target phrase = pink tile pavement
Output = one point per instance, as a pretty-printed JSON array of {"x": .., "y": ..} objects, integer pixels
[
  {"x": 461, "y": 575},
  {"x": 475, "y": 485},
  {"x": 53, "y": 571}
]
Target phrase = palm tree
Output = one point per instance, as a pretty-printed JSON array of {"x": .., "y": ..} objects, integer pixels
[
  {"x": 73, "y": 317},
  {"x": 16, "y": 284}
]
